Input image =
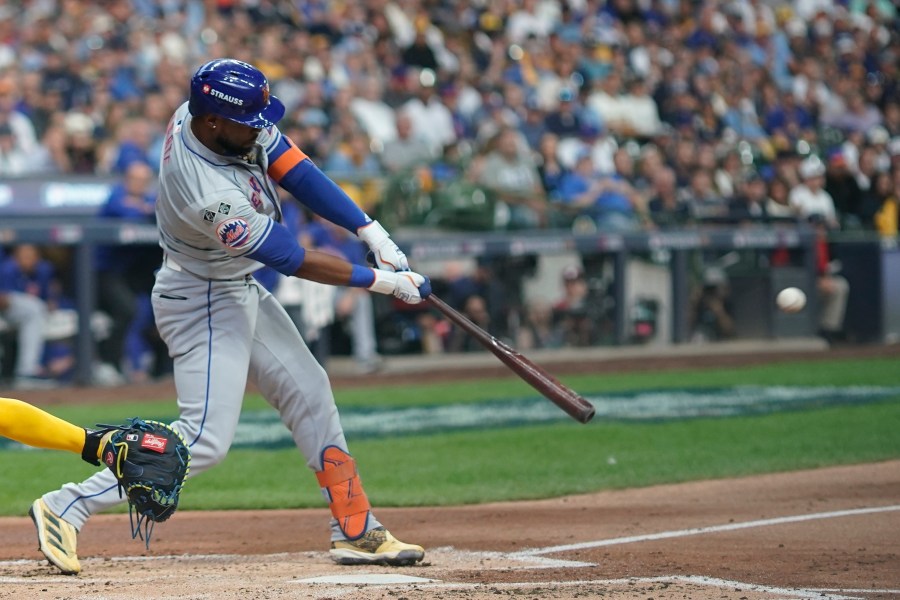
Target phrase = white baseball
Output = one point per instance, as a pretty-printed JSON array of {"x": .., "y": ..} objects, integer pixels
[{"x": 791, "y": 300}]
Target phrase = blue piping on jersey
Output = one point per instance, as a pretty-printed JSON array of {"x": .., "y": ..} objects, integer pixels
[
  {"x": 197, "y": 154},
  {"x": 261, "y": 239},
  {"x": 208, "y": 362},
  {"x": 112, "y": 487}
]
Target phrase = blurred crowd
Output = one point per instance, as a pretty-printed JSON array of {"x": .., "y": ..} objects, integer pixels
[
  {"x": 615, "y": 114},
  {"x": 609, "y": 115}
]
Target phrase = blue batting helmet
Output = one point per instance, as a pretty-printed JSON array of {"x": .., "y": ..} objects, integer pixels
[{"x": 236, "y": 91}]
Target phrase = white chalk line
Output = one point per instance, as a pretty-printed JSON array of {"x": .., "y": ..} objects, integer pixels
[
  {"x": 650, "y": 537},
  {"x": 859, "y": 591}
]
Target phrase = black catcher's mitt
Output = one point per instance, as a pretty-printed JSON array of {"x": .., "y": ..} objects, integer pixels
[{"x": 150, "y": 461}]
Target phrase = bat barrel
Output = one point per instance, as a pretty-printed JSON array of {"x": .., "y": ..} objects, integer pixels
[{"x": 573, "y": 404}]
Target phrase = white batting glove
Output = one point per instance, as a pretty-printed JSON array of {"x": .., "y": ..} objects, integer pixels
[
  {"x": 386, "y": 254},
  {"x": 409, "y": 286}
]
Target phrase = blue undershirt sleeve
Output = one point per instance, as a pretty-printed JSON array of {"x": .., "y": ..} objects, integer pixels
[
  {"x": 280, "y": 251},
  {"x": 308, "y": 184}
]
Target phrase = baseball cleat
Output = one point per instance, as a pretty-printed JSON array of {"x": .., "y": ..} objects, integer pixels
[
  {"x": 376, "y": 547},
  {"x": 56, "y": 538}
]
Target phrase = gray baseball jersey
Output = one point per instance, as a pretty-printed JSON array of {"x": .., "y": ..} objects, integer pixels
[{"x": 221, "y": 327}]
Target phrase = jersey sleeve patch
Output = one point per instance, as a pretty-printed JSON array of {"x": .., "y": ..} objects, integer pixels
[{"x": 233, "y": 233}]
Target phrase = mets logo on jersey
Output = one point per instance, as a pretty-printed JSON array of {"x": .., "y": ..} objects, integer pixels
[{"x": 233, "y": 232}]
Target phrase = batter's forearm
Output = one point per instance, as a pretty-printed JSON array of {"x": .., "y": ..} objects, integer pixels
[
  {"x": 30, "y": 425},
  {"x": 327, "y": 268}
]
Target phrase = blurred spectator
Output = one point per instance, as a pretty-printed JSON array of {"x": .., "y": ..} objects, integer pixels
[
  {"x": 782, "y": 113},
  {"x": 849, "y": 200},
  {"x": 878, "y": 139},
  {"x": 750, "y": 204},
  {"x": 892, "y": 117},
  {"x": 28, "y": 272},
  {"x": 355, "y": 168},
  {"x": 375, "y": 116},
  {"x": 431, "y": 119},
  {"x": 18, "y": 124},
  {"x": 832, "y": 287},
  {"x": 404, "y": 151},
  {"x": 858, "y": 115},
  {"x": 575, "y": 319},
  {"x": 549, "y": 167},
  {"x": 702, "y": 198},
  {"x": 531, "y": 19},
  {"x": 14, "y": 160},
  {"x": 353, "y": 160},
  {"x": 887, "y": 195},
  {"x": 26, "y": 315},
  {"x": 778, "y": 205},
  {"x": 134, "y": 141},
  {"x": 539, "y": 329},
  {"x": 564, "y": 120},
  {"x": 510, "y": 172},
  {"x": 479, "y": 295},
  {"x": 419, "y": 53},
  {"x": 608, "y": 200},
  {"x": 809, "y": 197},
  {"x": 72, "y": 144},
  {"x": 642, "y": 117},
  {"x": 727, "y": 175},
  {"x": 711, "y": 312},
  {"x": 607, "y": 103},
  {"x": 665, "y": 207},
  {"x": 533, "y": 124},
  {"x": 125, "y": 274}
]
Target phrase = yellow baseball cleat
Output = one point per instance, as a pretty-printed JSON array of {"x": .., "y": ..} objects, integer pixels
[
  {"x": 376, "y": 547},
  {"x": 56, "y": 538}
]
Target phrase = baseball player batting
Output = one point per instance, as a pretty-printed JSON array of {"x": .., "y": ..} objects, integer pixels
[{"x": 218, "y": 214}]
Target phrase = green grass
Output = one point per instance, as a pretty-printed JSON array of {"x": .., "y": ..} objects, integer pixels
[{"x": 525, "y": 462}]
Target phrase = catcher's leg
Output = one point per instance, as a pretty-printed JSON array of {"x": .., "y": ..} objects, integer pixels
[{"x": 294, "y": 383}]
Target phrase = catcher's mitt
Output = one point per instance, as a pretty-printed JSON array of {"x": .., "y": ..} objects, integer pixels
[{"x": 150, "y": 461}]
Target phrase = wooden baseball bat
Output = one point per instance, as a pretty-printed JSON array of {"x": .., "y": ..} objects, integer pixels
[{"x": 576, "y": 406}]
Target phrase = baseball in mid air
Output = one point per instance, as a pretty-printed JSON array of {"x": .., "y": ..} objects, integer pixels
[{"x": 791, "y": 300}]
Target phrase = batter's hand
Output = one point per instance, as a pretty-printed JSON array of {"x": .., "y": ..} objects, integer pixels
[
  {"x": 385, "y": 254},
  {"x": 409, "y": 286}
]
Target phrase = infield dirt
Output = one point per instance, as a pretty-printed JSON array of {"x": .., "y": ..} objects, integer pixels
[{"x": 825, "y": 533}]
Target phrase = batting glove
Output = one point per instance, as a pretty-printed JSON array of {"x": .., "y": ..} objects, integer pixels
[
  {"x": 385, "y": 253},
  {"x": 409, "y": 286}
]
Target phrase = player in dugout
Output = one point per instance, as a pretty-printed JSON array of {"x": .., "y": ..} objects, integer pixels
[{"x": 218, "y": 215}]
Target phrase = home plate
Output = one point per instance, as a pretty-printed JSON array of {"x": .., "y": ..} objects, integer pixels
[{"x": 367, "y": 579}]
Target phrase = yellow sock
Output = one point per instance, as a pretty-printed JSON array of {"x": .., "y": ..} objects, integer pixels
[{"x": 30, "y": 425}]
